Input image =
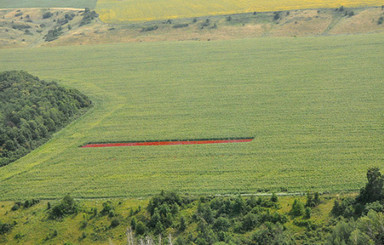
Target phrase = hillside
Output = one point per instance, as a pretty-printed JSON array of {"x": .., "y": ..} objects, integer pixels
[{"x": 58, "y": 27}]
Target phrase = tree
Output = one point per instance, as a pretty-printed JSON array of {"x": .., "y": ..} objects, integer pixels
[
  {"x": 312, "y": 200},
  {"x": 133, "y": 223},
  {"x": 297, "y": 208},
  {"x": 65, "y": 207},
  {"x": 250, "y": 221},
  {"x": 182, "y": 225},
  {"x": 272, "y": 234},
  {"x": 373, "y": 190},
  {"x": 276, "y": 16},
  {"x": 307, "y": 214},
  {"x": 221, "y": 224},
  {"x": 140, "y": 228},
  {"x": 238, "y": 205},
  {"x": 274, "y": 198},
  {"x": 317, "y": 200}
]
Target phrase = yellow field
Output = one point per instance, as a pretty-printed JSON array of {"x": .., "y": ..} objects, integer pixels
[{"x": 145, "y": 10}]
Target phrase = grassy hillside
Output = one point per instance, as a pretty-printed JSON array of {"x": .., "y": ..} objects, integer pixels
[
  {"x": 58, "y": 27},
  {"x": 47, "y": 3},
  {"x": 92, "y": 223},
  {"x": 314, "y": 106},
  {"x": 30, "y": 27},
  {"x": 112, "y": 11}
]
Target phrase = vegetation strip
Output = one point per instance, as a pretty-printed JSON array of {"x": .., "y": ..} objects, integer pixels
[{"x": 169, "y": 142}]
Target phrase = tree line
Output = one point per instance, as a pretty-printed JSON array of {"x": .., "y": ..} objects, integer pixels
[{"x": 31, "y": 110}]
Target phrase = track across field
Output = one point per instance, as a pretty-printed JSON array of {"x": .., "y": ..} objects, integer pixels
[{"x": 169, "y": 142}]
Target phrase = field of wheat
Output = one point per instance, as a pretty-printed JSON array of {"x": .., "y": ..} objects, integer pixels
[
  {"x": 313, "y": 105},
  {"x": 144, "y": 10}
]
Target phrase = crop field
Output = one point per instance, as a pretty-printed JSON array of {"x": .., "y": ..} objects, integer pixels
[
  {"x": 112, "y": 11},
  {"x": 313, "y": 105},
  {"x": 48, "y": 4}
]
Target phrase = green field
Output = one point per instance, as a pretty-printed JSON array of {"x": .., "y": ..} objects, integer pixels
[
  {"x": 48, "y": 4},
  {"x": 314, "y": 106}
]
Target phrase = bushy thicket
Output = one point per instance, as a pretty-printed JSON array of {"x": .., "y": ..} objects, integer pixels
[
  {"x": 53, "y": 34},
  {"x": 88, "y": 16},
  {"x": 213, "y": 220},
  {"x": 239, "y": 220},
  {"x": 31, "y": 110},
  {"x": 67, "y": 206}
]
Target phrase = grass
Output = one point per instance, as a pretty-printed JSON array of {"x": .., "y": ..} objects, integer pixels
[
  {"x": 314, "y": 106},
  {"x": 112, "y": 11},
  {"x": 48, "y": 4},
  {"x": 34, "y": 227}
]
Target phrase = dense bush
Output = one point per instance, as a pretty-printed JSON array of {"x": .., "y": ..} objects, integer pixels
[
  {"x": 88, "y": 16},
  {"x": 149, "y": 28},
  {"x": 21, "y": 26},
  {"x": 277, "y": 16},
  {"x": 115, "y": 223},
  {"x": 297, "y": 208},
  {"x": 67, "y": 206},
  {"x": 53, "y": 34},
  {"x": 5, "y": 228},
  {"x": 380, "y": 21},
  {"x": 47, "y": 15},
  {"x": 180, "y": 25},
  {"x": 31, "y": 110}
]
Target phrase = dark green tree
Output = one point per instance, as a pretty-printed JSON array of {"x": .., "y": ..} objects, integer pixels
[{"x": 373, "y": 190}]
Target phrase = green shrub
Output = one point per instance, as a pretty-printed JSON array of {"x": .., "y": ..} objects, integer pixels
[
  {"x": 53, "y": 34},
  {"x": 16, "y": 206},
  {"x": 140, "y": 228},
  {"x": 182, "y": 224},
  {"x": 250, "y": 221},
  {"x": 149, "y": 28},
  {"x": 133, "y": 223},
  {"x": 47, "y": 15},
  {"x": 276, "y": 16},
  {"x": 297, "y": 208},
  {"x": 108, "y": 209},
  {"x": 114, "y": 223},
  {"x": 67, "y": 206},
  {"x": 30, "y": 203},
  {"x": 83, "y": 224},
  {"x": 380, "y": 21},
  {"x": 88, "y": 16},
  {"x": 307, "y": 214},
  {"x": 19, "y": 236},
  {"x": 180, "y": 25},
  {"x": 274, "y": 198},
  {"x": 376, "y": 206},
  {"x": 5, "y": 228},
  {"x": 21, "y": 26}
]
